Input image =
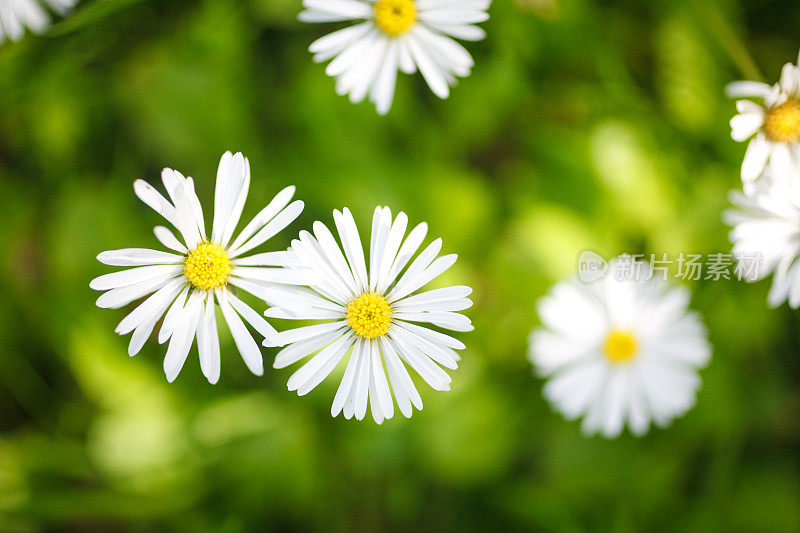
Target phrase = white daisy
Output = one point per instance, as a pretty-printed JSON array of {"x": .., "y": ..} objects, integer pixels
[
  {"x": 16, "y": 15},
  {"x": 774, "y": 126},
  {"x": 187, "y": 284},
  {"x": 619, "y": 350},
  {"x": 404, "y": 34},
  {"x": 767, "y": 226},
  {"x": 371, "y": 315}
]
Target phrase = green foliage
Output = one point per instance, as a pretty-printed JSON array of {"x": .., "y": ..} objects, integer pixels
[{"x": 585, "y": 124}]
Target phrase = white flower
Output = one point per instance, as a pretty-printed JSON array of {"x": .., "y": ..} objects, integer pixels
[
  {"x": 373, "y": 314},
  {"x": 404, "y": 34},
  {"x": 767, "y": 226},
  {"x": 619, "y": 350},
  {"x": 773, "y": 126},
  {"x": 187, "y": 284},
  {"x": 16, "y": 15}
]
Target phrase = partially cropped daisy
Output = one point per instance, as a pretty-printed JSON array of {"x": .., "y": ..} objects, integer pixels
[
  {"x": 371, "y": 313},
  {"x": 623, "y": 350},
  {"x": 767, "y": 225},
  {"x": 202, "y": 273},
  {"x": 773, "y": 126},
  {"x": 395, "y": 34},
  {"x": 16, "y": 15}
]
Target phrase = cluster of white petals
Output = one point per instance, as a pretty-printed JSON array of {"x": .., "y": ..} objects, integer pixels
[
  {"x": 392, "y": 35},
  {"x": 17, "y": 15},
  {"x": 619, "y": 351}
]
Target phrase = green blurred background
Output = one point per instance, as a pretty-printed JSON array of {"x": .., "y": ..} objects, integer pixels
[{"x": 585, "y": 124}]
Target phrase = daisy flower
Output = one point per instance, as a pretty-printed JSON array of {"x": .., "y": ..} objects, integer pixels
[
  {"x": 202, "y": 273},
  {"x": 371, "y": 312},
  {"x": 622, "y": 350},
  {"x": 773, "y": 126},
  {"x": 767, "y": 225},
  {"x": 16, "y": 15},
  {"x": 395, "y": 34}
]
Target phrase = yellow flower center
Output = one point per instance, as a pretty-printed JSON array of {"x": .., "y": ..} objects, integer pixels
[
  {"x": 395, "y": 17},
  {"x": 620, "y": 346},
  {"x": 782, "y": 122},
  {"x": 369, "y": 315},
  {"x": 208, "y": 266}
]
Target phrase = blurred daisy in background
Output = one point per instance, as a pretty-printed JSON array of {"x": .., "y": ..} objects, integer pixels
[
  {"x": 619, "y": 351},
  {"x": 186, "y": 285},
  {"x": 395, "y": 34},
  {"x": 16, "y": 15},
  {"x": 767, "y": 224},
  {"x": 372, "y": 312},
  {"x": 773, "y": 125}
]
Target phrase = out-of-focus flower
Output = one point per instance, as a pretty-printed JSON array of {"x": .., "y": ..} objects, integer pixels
[
  {"x": 619, "y": 351},
  {"x": 767, "y": 224},
  {"x": 371, "y": 315},
  {"x": 773, "y": 125},
  {"x": 16, "y": 15},
  {"x": 395, "y": 34},
  {"x": 187, "y": 284}
]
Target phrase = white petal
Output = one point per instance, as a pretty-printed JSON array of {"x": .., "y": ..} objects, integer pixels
[
  {"x": 435, "y": 296},
  {"x": 168, "y": 239},
  {"x": 318, "y": 367},
  {"x": 362, "y": 383},
  {"x": 351, "y": 242},
  {"x": 416, "y": 268},
  {"x": 746, "y": 125},
  {"x": 150, "y": 196},
  {"x": 740, "y": 89},
  {"x": 440, "y": 354},
  {"x": 151, "y": 308},
  {"x": 279, "y": 222},
  {"x": 404, "y": 390},
  {"x": 448, "y": 320},
  {"x": 171, "y": 318},
  {"x": 428, "y": 68},
  {"x": 422, "y": 364},
  {"x": 344, "y": 392},
  {"x": 252, "y": 318},
  {"x": 433, "y": 336},
  {"x": 381, "y": 224},
  {"x": 382, "y": 92},
  {"x": 138, "y": 257},
  {"x": 161, "y": 301},
  {"x": 208, "y": 342},
  {"x": 300, "y": 349},
  {"x": 341, "y": 9},
  {"x": 116, "y": 298},
  {"x": 407, "y": 251},
  {"x": 384, "y": 396},
  {"x": 409, "y": 284},
  {"x": 181, "y": 341},
  {"x": 333, "y": 254},
  {"x": 297, "y": 334},
  {"x": 125, "y": 278},
  {"x": 277, "y": 204},
  {"x": 244, "y": 341},
  {"x": 755, "y": 158},
  {"x": 465, "y": 32}
]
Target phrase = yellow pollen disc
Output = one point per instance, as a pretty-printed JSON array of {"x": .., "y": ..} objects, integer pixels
[
  {"x": 395, "y": 17},
  {"x": 207, "y": 267},
  {"x": 369, "y": 315},
  {"x": 620, "y": 346},
  {"x": 782, "y": 122}
]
